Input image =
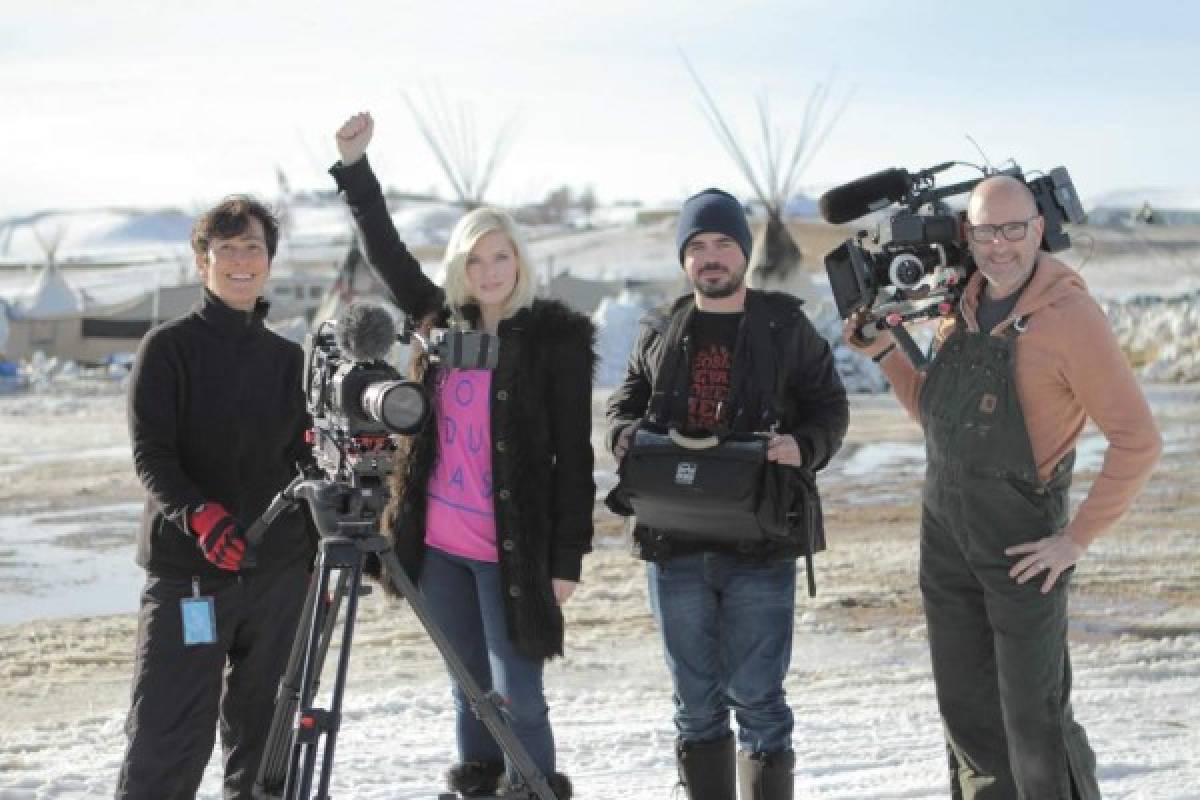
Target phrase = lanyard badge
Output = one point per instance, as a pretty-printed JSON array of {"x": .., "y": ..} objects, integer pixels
[{"x": 199, "y": 618}]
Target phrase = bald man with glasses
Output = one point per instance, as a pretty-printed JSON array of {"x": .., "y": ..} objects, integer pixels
[{"x": 1028, "y": 357}]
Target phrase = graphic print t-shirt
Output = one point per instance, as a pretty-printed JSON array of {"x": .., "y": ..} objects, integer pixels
[
  {"x": 459, "y": 517},
  {"x": 714, "y": 337}
]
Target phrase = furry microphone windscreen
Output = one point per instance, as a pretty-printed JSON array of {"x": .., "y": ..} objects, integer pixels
[
  {"x": 365, "y": 332},
  {"x": 861, "y": 197}
]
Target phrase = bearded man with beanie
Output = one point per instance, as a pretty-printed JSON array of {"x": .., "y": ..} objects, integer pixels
[
  {"x": 725, "y": 610},
  {"x": 217, "y": 421}
]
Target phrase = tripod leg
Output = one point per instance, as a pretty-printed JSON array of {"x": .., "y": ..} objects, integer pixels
[
  {"x": 339, "y": 681},
  {"x": 272, "y": 772},
  {"x": 302, "y": 740},
  {"x": 310, "y": 723},
  {"x": 486, "y": 706}
]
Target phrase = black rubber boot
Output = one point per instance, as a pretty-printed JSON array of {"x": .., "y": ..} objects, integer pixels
[
  {"x": 475, "y": 778},
  {"x": 706, "y": 769},
  {"x": 561, "y": 785},
  {"x": 766, "y": 776}
]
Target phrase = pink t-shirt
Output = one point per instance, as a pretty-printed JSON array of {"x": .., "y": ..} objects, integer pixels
[{"x": 459, "y": 517}]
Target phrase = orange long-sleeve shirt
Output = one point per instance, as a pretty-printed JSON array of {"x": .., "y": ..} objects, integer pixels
[{"x": 1068, "y": 367}]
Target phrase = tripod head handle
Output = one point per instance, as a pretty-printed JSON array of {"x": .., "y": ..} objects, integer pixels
[{"x": 254, "y": 536}]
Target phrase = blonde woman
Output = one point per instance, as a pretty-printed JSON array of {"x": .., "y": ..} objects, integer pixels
[{"x": 491, "y": 506}]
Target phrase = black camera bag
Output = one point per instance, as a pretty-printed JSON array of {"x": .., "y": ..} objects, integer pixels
[{"x": 709, "y": 489}]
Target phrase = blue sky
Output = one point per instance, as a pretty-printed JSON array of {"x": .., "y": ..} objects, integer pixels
[{"x": 168, "y": 103}]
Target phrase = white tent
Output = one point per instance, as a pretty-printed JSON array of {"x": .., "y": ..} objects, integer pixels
[{"x": 49, "y": 297}]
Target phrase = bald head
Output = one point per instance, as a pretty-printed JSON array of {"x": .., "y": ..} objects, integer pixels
[
  {"x": 1001, "y": 190},
  {"x": 1006, "y": 231}
]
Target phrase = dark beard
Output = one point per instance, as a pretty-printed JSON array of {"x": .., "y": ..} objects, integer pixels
[{"x": 719, "y": 290}]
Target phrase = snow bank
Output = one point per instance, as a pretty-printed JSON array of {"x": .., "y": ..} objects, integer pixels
[
  {"x": 1160, "y": 336},
  {"x": 616, "y": 323}
]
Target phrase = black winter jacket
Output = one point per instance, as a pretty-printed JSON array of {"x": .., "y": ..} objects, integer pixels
[
  {"x": 217, "y": 414},
  {"x": 543, "y": 491},
  {"x": 813, "y": 407}
]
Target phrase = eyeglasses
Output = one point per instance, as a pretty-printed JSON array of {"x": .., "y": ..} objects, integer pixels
[{"x": 1010, "y": 231}]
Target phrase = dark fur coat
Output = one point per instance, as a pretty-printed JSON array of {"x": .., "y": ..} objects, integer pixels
[{"x": 541, "y": 466}]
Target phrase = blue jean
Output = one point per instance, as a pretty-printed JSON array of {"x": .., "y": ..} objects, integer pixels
[
  {"x": 466, "y": 601},
  {"x": 727, "y": 635}
]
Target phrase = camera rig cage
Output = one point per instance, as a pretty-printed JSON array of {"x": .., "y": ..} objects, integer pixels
[{"x": 916, "y": 263}]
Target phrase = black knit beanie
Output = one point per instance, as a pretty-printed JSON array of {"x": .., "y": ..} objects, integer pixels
[{"x": 713, "y": 211}]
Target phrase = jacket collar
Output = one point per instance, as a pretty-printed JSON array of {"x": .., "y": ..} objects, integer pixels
[
  {"x": 229, "y": 321},
  {"x": 1050, "y": 282},
  {"x": 757, "y": 304},
  {"x": 471, "y": 314}
]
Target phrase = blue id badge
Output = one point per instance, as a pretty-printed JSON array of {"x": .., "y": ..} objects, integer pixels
[{"x": 199, "y": 618}]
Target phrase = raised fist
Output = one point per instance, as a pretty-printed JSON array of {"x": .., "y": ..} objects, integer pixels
[{"x": 354, "y": 136}]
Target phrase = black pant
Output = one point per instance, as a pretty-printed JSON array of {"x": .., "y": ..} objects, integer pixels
[{"x": 180, "y": 692}]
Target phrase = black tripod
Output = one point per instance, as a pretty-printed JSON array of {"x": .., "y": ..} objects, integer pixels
[{"x": 348, "y": 521}]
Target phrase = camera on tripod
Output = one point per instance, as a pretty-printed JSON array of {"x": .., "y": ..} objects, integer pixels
[
  {"x": 916, "y": 263},
  {"x": 358, "y": 400}
]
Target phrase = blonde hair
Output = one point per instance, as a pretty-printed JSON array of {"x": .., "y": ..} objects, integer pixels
[{"x": 473, "y": 226}]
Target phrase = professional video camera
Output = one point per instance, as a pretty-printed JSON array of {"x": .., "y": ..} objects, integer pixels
[
  {"x": 358, "y": 401},
  {"x": 919, "y": 261},
  {"x": 356, "y": 398}
]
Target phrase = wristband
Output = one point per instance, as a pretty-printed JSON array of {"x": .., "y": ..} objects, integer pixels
[{"x": 882, "y": 354}]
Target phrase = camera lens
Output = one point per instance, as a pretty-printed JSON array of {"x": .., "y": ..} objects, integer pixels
[
  {"x": 399, "y": 406},
  {"x": 906, "y": 271}
]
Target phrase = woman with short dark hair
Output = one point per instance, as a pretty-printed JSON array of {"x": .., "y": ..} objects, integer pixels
[{"x": 217, "y": 422}]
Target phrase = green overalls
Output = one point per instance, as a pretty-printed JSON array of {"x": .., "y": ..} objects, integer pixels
[{"x": 999, "y": 649}]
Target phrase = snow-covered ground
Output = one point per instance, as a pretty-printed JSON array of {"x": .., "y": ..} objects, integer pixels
[
  {"x": 866, "y": 724},
  {"x": 866, "y": 720},
  {"x": 70, "y": 562}
]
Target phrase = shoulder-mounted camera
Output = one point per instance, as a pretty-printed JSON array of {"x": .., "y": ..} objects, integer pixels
[{"x": 915, "y": 264}]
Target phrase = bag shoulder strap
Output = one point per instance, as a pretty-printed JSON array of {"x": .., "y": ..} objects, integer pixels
[
  {"x": 663, "y": 388},
  {"x": 771, "y": 363}
]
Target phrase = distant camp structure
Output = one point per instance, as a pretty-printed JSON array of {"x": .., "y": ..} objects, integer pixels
[
  {"x": 44, "y": 320},
  {"x": 775, "y": 176},
  {"x": 468, "y": 161},
  {"x": 1170, "y": 208},
  {"x": 95, "y": 293},
  {"x": 55, "y": 319}
]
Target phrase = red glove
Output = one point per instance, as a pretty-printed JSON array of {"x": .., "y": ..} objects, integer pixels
[{"x": 219, "y": 536}]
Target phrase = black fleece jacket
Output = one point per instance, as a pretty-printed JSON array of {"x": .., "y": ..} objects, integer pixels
[
  {"x": 543, "y": 491},
  {"x": 217, "y": 414}
]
